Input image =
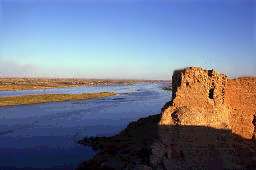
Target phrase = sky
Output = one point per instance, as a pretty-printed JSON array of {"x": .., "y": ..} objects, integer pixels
[{"x": 126, "y": 39}]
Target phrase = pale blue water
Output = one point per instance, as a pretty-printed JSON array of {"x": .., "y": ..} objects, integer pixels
[{"x": 44, "y": 136}]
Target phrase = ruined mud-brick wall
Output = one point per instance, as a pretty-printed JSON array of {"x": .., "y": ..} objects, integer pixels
[
  {"x": 240, "y": 95},
  {"x": 208, "y": 98}
]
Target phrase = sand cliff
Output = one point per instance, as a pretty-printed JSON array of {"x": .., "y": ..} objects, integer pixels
[
  {"x": 208, "y": 98},
  {"x": 209, "y": 124}
]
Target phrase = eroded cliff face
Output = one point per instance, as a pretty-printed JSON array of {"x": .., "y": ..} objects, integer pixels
[
  {"x": 209, "y": 124},
  {"x": 240, "y": 96},
  {"x": 208, "y": 98}
]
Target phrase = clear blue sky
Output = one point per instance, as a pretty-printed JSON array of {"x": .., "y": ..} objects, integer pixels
[{"x": 125, "y": 39}]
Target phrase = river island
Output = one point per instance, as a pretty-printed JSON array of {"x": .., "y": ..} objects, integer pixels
[{"x": 46, "y": 98}]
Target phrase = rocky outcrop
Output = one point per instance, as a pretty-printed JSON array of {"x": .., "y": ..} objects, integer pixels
[
  {"x": 210, "y": 123},
  {"x": 130, "y": 149},
  {"x": 208, "y": 98}
]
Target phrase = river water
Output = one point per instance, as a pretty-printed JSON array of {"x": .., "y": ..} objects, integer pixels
[{"x": 44, "y": 136}]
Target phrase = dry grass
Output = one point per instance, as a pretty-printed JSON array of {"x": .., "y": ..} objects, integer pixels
[{"x": 45, "y": 98}]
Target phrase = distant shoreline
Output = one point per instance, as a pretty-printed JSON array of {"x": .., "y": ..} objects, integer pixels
[
  {"x": 13, "y": 84},
  {"x": 47, "y": 98}
]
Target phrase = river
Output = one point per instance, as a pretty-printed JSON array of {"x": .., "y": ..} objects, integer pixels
[{"x": 44, "y": 136}]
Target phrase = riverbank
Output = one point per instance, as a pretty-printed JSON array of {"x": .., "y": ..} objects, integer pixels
[
  {"x": 10, "y": 84},
  {"x": 190, "y": 146},
  {"x": 46, "y": 98},
  {"x": 130, "y": 149}
]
